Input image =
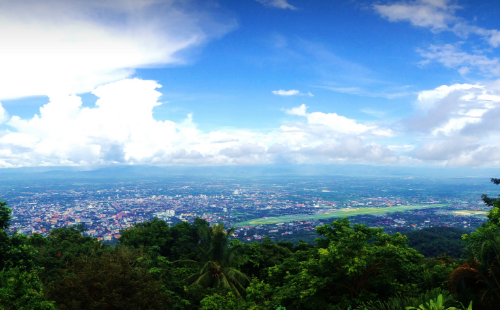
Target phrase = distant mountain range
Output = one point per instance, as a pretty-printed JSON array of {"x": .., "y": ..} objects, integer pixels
[{"x": 247, "y": 171}]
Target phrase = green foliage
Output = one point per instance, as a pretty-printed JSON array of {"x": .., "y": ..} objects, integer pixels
[
  {"x": 20, "y": 289},
  {"x": 435, "y": 304},
  {"x": 437, "y": 271},
  {"x": 479, "y": 278},
  {"x": 178, "y": 242},
  {"x": 434, "y": 241},
  {"x": 117, "y": 279},
  {"x": 221, "y": 302},
  {"x": 494, "y": 213},
  {"x": 61, "y": 248},
  {"x": 195, "y": 266},
  {"x": 260, "y": 294},
  {"x": 399, "y": 302},
  {"x": 261, "y": 255},
  {"x": 4, "y": 215},
  {"x": 358, "y": 264},
  {"x": 20, "y": 286},
  {"x": 14, "y": 251},
  {"x": 217, "y": 262}
]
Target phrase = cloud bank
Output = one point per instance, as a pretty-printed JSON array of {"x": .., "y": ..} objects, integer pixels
[
  {"x": 459, "y": 124},
  {"x": 60, "y": 47},
  {"x": 120, "y": 129},
  {"x": 453, "y": 125}
]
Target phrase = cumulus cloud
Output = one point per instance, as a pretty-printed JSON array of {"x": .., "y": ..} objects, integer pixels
[
  {"x": 447, "y": 110},
  {"x": 4, "y": 116},
  {"x": 280, "y": 4},
  {"x": 58, "y": 46},
  {"x": 292, "y": 92},
  {"x": 333, "y": 125},
  {"x": 121, "y": 129},
  {"x": 350, "y": 148},
  {"x": 459, "y": 123}
]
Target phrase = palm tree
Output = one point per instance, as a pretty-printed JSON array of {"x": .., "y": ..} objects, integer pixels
[
  {"x": 480, "y": 276},
  {"x": 217, "y": 261}
]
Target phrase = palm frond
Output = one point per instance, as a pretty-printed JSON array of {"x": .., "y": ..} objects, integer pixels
[
  {"x": 217, "y": 258},
  {"x": 237, "y": 276},
  {"x": 192, "y": 278},
  {"x": 229, "y": 284},
  {"x": 240, "y": 288},
  {"x": 210, "y": 266},
  {"x": 204, "y": 280}
]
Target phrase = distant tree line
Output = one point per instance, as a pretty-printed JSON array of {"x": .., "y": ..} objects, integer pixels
[{"x": 198, "y": 266}]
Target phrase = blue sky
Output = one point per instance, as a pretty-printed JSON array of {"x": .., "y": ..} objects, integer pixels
[{"x": 159, "y": 82}]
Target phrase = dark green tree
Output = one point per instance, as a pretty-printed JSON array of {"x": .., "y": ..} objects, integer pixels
[
  {"x": 479, "y": 278},
  {"x": 60, "y": 248},
  {"x": 20, "y": 286},
  {"x": 20, "y": 289},
  {"x": 359, "y": 264},
  {"x": 261, "y": 255},
  {"x": 218, "y": 261},
  {"x": 118, "y": 278},
  {"x": 180, "y": 241},
  {"x": 434, "y": 241}
]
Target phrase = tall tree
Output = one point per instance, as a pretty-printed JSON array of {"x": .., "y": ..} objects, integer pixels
[
  {"x": 218, "y": 261},
  {"x": 20, "y": 286},
  {"x": 479, "y": 277},
  {"x": 177, "y": 242},
  {"x": 354, "y": 264}
]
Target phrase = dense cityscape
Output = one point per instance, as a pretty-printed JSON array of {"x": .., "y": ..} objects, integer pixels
[{"x": 282, "y": 208}]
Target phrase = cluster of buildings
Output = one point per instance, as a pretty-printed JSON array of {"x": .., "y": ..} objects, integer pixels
[{"x": 106, "y": 209}]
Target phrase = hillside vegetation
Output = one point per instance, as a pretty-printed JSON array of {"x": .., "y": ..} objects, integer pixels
[{"x": 195, "y": 266}]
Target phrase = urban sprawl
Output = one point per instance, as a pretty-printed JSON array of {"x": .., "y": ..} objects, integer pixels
[{"x": 280, "y": 208}]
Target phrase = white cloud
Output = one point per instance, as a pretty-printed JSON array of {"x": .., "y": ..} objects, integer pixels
[
  {"x": 433, "y": 14},
  {"x": 333, "y": 125},
  {"x": 428, "y": 98},
  {"x": 350, "y": 148},
  {"x": 3, "y": 114},
  {"x": 451, "y": 57},
  {"x": 120, "y": 129},
  {"x": 459, "y": 124},
  {"x": 292, "y": 92},
  {"x": 448, "y": 110},
  {"x": 57, "y": 46},
  {"x": 301, "y": 110},
  {"x": 282, "y": 92},
  {"x": 280, "y": 4},
  {"x": 439, "y": 15}
]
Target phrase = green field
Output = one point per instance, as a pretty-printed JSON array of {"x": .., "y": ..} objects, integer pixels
[
  {"x": 468, "y": 212},
  {"x": 336, "y": 213}
]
